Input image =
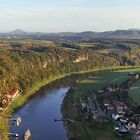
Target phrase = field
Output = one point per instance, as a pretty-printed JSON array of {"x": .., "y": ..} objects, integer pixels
[
  {"x": 134, "y": 93},
  {"x": 95, "y": 131},
  {"x": 97, "y": 82},
  {"x": 100, "y": 80},
  {"x": 92, "y": 130},
  {"x": 25, "y": 43}
]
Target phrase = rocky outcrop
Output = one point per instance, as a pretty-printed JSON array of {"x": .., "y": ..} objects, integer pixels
[
  {"x": 45, "y": 64},
  {"x": 81, "y": 58}
]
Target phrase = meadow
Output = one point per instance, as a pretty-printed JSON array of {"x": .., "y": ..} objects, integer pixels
[
  {"x": 134, "y": 93},
  {"x": 92, "y": 130}
]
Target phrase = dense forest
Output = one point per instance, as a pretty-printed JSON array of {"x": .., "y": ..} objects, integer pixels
[{"x": 25, "y": 62}]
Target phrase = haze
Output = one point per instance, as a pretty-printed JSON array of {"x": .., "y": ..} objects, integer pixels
[{"x": 69, "y": 15}]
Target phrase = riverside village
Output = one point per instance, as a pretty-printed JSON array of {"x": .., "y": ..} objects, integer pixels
[{"x": 111, "y": 104}]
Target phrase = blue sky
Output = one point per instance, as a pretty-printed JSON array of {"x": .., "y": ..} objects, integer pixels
[{"x": 69, "y": 15}]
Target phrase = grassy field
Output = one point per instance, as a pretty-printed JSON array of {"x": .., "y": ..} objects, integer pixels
[
  {"x": 134, "y": 93},
  {"x": 85, "y": 45},
  {"x": 93, "y": 130},
  {"x": 100, "y": 80}
]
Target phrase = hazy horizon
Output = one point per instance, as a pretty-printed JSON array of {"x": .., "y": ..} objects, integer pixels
[
  {"x": 69, "y": 16},
  {"x": 22, "y": 30}
]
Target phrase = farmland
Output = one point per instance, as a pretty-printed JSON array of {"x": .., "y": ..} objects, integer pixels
[
  {"x": 91, "y": 130},
  {"x": 134, "y": 93}
]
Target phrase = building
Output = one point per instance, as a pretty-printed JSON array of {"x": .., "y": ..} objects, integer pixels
[
  {"x": 12, "y": 94},
  {"x": 121, "y": 107},
  {"x": 5, "y": 101}
]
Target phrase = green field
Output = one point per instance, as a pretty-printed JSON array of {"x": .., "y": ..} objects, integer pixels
[
  {"x": 84, "y": 45},
  {"x": 134, "y": 93},
  {"x": 92, "y": 130},
  {"x": 95, "y": 131},
  {"x": 100, "y": 80}
]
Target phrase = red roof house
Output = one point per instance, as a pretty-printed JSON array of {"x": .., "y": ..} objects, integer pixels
[{"x": 13, "y": 93}]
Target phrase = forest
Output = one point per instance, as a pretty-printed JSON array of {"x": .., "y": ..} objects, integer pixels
[{"x": 23, "y": 63}]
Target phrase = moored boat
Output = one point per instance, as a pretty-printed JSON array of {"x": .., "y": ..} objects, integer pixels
[{"x": 27, "y": 134}]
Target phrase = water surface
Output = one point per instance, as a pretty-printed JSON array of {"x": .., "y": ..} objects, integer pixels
[{"x": 45, "y": 106}]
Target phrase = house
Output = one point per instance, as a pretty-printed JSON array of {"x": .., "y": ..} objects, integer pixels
[
  {"x": 106, "y": 103},
  {"x": 111, "y": 89},
  {"x": 110, "y": 107},
  {"x": 131, "y": 125},
  {"x": 121, "y": 107},
  {"x": 5, "y": 101},
  {"x": 132, "y": 73},
  {"x": 124, "y": 120},
  {"x": 1, "y": 109},
  {"x": 12, "y": 94},
  {"x": 83, "y": 105},
  {"x": 100, "y": 91},
  {"x": 117, "y": 116}
]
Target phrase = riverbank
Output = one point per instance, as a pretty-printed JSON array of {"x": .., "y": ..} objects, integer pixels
[
  {"x": 90, "y": 130},
  {"x": 21, "y": 100}
]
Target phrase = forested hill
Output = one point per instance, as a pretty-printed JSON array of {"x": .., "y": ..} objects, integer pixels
[{"x": 22, "y": 68}]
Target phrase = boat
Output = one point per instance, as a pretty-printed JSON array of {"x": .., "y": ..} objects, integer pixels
[
  {"x": 27, "y": 134},
  {"x": 12, "y": 134}
]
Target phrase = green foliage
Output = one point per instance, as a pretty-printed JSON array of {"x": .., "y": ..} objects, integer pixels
[
  {"x": 28, "y": 62},
  {"x": 91, "y": 130},
  {"x": 134, "y": 93}
]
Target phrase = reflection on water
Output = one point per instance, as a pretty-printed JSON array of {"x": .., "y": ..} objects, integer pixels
[{"x": 39, "y": 113}]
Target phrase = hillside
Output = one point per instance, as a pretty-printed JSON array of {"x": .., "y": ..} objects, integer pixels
[
  {"x": 24, "y": 63},
  {"x": 22, "y": 69},
  {"x": 87, "y": 35}
]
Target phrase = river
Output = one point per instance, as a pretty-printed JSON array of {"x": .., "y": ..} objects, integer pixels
[{"x": 41, "y": 110}]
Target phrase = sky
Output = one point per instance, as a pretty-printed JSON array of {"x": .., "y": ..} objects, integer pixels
[{"x": 69, "y": 15}]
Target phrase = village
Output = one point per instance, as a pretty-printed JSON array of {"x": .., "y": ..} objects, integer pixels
[
  {"x": 8, "y": 98},
  {"x": 15, "y": 121},
  {"x": 112, "y": 104}
]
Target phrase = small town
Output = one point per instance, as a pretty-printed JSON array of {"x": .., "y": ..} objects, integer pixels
[
  {"x": 111, "y": 104},
  {"x": 8, "y": 98}
]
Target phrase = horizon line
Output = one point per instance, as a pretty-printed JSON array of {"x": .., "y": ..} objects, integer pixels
[{"x": 82, "y": 31}]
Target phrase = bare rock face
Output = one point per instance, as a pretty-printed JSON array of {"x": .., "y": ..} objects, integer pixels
[
  {"x": 45, "y": 64},
  {"x": 81, "y": 58}
]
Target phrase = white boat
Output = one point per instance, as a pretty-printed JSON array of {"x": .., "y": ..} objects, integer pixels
[{"x": 27, "y": 134}]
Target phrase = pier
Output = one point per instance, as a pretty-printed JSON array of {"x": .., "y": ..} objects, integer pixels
[
  {"x": 16, "y": 120},
  {"x": 68, "y": 120},
  {"x": 6, "y": 121},
  {"x": 13, "y": 134}
]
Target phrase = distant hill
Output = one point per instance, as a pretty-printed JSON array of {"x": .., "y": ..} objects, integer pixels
[
  {"x": 18, "y": 32},
  {"x": 88, "y": 35}
]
